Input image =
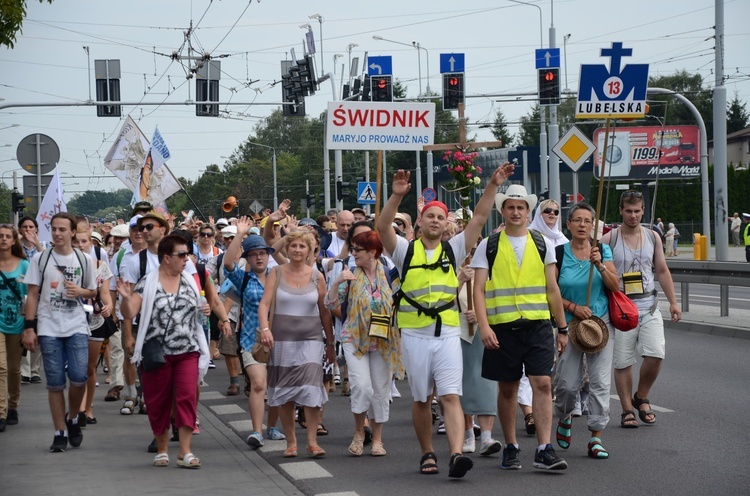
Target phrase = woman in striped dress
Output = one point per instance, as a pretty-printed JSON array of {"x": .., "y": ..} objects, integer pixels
[{"x": 295, "y": 374}]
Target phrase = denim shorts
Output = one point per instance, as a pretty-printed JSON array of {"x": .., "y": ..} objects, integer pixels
[{"x": 57, "y": 352}]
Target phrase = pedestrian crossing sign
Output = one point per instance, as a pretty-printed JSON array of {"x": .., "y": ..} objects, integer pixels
[{"x": 366, "y": 192}]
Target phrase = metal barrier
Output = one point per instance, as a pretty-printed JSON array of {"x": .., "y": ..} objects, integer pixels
[{"x": 724, "y": 274}]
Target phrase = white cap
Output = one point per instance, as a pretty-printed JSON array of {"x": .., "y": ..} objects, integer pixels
[
  {"x": 134, "y": 220},
  {"x": 229, "y": 231},
  {"x": 222, "y": 222},
  {"x": 120, "y": 231},
  {"x": 95, "y": 235}
]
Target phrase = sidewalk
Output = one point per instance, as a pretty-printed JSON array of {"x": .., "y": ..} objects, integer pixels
[{"x": 113, "y": 460}]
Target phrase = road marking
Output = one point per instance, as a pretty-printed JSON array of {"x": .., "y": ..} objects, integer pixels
[
  {"x": 212, "y": 395},
  {"x": 226, "y": 409},
  {"x": 653, "y": 407},
  {"x": 346, "y": 493},
  {"x": 305, "y": 470}
]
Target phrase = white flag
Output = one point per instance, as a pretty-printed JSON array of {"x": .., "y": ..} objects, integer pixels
[
  {"x": 156, "y": 183},
  {"x": 53, "y": 203},
  {"x": 128, "y": 154}
]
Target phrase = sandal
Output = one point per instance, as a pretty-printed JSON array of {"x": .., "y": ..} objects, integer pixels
[
  {"x": 459, "y": 465},
  {"x": 644, "y": 414},
  {"x": 564, "y": 435},
  {"x": 596, "y": 450},
  {"x": 161, "y": 460},
  {"x": 356, "y": 448},
  {"x": 188, "y": 460},
  {"x": 322, "y": 431},
  {"x": 129, "y": 406},
  {"x": 378, "y": 450},
  {"x": 530, "y": 425},
  {"x": 316, "y": 451},
  {"x": 113, "y": 394},
  {"x": 290, "y": 452},
  {"x": 428, "y": 468},
  {"x": 627, "y": 420}
]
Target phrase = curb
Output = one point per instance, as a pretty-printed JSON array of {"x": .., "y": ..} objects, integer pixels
[{"x": 708, "y": 328}]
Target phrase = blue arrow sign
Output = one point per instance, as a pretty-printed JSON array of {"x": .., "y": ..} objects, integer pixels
[
  {"x": 547, "y": 58},
  {"x": 378, "y": 66},
  {"x": 451, "y": 62},
  {"x": 366, "y": 192}
]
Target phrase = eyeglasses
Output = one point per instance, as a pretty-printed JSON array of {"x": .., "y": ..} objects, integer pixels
[
  {"x": 578, "y": 220},
  {"x": 355, "y": 249},
  {"x": 262, "y": 253},
  {"x": 550, "y": 211},
  {"x": 207, "y": 235},
  {"x": 229, "y": 238},
  {"x": 632, "y": 194},
  {"x": 146, "y": 227},
  {"x": 181, "y": 254}
]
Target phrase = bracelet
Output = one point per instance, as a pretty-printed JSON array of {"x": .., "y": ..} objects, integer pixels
[
  {"x": 265, "y": 329},
  {"x": 602, "y": 268},
  {"x": 30, "y": 324},
  {"x": 563, "y": 330},
  {"x": 226, "y": 321}
]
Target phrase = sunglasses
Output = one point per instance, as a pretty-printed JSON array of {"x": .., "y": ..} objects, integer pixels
[
  {"x": 181, "y": 254},
  {"x": 146, "y": 227},
  {"x": 632, "y": 194},
  {"x": 207, "y": 235},
  {"x": 399, "y": 223},
  {"x": 551, "y": 211}
]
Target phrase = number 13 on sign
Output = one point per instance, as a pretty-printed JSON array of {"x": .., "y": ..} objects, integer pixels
[{"x": 613, "y": 87}]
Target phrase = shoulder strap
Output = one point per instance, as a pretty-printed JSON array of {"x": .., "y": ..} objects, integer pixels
[
  {"x": 407, "y": 261},
  {"x": 541, "y": 246},
  {"x": 144, "y": 260},
  {"x": 220, "y": 268},
  {"x": 43, "y": 261},
  {"x": 448, "y": 249},
  {"x": 200, "y": 267},
  {"x": 98, "y": 251},
  {"x": 120, "y": 254},
  {"x": 613, "y": 236},
  {"x": 12, "y": 287},
  {"x": 82, "y": 262},
  {"x": 492, "y": 252},
  {"x": 559, "y": 254}
]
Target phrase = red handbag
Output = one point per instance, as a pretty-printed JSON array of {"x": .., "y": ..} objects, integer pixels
[{"x": 623, "y": 313}]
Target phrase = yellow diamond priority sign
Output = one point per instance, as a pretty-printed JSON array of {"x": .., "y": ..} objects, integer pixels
[{"x": 574, "y": 148}]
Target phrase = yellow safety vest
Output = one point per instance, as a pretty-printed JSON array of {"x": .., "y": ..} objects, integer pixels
[
  {"x": 747, "y": 234},
  {"x": 430, "y": 289},
  {"x": 515, "y": 292}
]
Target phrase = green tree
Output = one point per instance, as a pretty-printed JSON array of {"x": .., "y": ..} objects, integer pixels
[
  {"x": 737, "y": 116},
  {"x": 673, "y": 112},
  {"x": 500, "y": 129},
  {"x": 528, "y": 134},
  {"x": 11, "y": 21},
  {"x": 5, "y": 202},
  {"x": 92, "y": 203}
]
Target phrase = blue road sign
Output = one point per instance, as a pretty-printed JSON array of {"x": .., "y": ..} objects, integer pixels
[
  {"x": 617, "y": 91},
  {"x": 366, "y": 192},
  {"x": 547, "y": 58},
  {"x": 429, "y": 194},
  {"x": 451, "y": 62},
  {"x": 378, "y": 66}
]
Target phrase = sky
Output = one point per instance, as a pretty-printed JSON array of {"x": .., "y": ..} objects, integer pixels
[{"x": 498, "y": 37}]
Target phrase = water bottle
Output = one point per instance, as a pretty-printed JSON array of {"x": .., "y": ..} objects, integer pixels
[{"x": 202, "y": 318}]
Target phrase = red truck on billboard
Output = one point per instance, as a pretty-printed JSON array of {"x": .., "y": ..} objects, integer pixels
[{"x": 638, "y": 152}]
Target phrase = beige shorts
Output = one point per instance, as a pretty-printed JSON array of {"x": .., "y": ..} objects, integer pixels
[
  {"x": 247, "y": 359},
  {"x": 228, "y": 345},
  {"x": 646, "y": 340}
]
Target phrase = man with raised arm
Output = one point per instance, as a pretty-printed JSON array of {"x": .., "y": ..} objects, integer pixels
[{"x": 428, "y": 312}]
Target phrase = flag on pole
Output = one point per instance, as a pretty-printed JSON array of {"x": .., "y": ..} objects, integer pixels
[
  {"x": 141, "y": 165},
  {"x": 52, "y": 203}
]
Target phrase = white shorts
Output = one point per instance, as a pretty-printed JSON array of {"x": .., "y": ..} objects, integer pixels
[
  {"x": 247, "y": 359},
  {"x": 646, "y": 340},
  {"x": 431, "y": 362}
]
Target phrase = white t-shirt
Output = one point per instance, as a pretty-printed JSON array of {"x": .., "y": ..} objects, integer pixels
[
  {"x": 519, "y": 246},
  {"x": 59, "y": 316},
  {"x": 132, "y": 271},
  {"x": 458, "y": 244},
  {"x": 736, "y": 223},
  {"x": 337, "y": 244}
]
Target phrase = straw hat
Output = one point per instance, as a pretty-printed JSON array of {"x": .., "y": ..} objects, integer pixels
[{"x": 589, "y": 335}]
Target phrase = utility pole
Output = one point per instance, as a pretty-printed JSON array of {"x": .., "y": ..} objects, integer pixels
[
  {"x": 720, "y": 140},
  {"x": 554, "y": 130}
]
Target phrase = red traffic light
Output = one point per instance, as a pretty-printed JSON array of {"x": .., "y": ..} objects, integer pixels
[
  {"x": 453, "y": 81},
  {"x": 382, "y": 84},
  {"x": 549, "y": 76}
]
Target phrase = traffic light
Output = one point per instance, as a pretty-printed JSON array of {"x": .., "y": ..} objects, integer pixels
[
  {"x": 107, "y": 74},
  {"x": 366, "y": 89},
  {"x": 207, "y": 89},
  {"x": 453, "y": 90},
  {"x": 310, "y": 201},
  {"x": 18, "y": 202},
  {"x": 382, "y": 88},
  {"x": 549, "y": 86},
  {"x": 342, "y": 190}
]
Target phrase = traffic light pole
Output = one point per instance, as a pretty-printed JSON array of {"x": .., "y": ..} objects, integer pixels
[{"x": 554, "y": 137}]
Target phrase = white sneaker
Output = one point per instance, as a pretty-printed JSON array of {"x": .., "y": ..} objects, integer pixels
[
  {"x": 470, "y": 445},
  {"x": 490, "y": 447},
  {"x": 394, "y": 390}
]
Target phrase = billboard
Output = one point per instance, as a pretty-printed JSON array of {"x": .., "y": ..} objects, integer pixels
[{"x": 638, "y": 152}]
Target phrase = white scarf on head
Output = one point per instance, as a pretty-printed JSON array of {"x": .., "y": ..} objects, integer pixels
[
  {"x": 553, "y": 234},
  {"x": 147, "y": 305}
]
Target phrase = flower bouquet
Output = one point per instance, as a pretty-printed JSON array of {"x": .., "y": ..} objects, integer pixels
[{"x": 466, "y": 175}]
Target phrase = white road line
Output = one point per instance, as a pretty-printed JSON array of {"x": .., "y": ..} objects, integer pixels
[{"x": 305, "y": 470}]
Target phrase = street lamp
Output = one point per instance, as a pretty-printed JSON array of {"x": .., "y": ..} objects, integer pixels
[
  {"x": 565, "y": 55},
  {"x": 336, "y": 56},
  {"x": 427, "y": 56},
  {"x": 319, "y": 18},
  {"x": 416, "y": 45},
  {"x": 349, "y": 49}
]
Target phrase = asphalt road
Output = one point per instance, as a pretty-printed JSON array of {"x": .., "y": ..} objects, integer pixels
[{"x": 697, "y": 446}]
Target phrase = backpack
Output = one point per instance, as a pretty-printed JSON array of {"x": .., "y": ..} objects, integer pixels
[
  {"x": 493, "y": 240},
  {"x": 118, "y": 260},
  {"x": 143, "y": 254},
  {"x": 44, "y": 260}
]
